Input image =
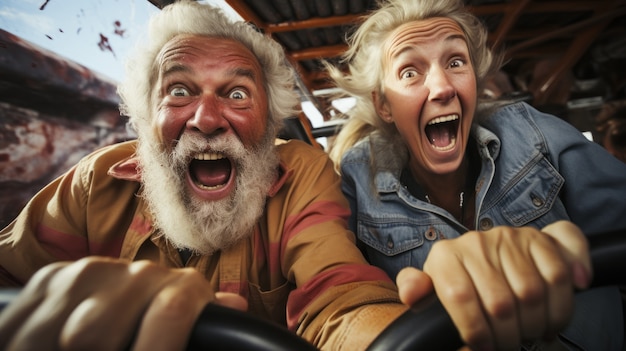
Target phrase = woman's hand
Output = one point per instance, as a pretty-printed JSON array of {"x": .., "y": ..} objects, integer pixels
[
  {"x": 107, "y": 304},
  {"x": 505, "y": 285}
]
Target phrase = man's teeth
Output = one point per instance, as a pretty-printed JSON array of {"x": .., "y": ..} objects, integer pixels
[
  {"x": 443, "y": 119},
  {"x": 207, "y": 187},
  {"x": 209, "y": 156}
]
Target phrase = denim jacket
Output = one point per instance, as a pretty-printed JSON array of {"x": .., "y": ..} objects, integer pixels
[{"x": 535, "y": 169}]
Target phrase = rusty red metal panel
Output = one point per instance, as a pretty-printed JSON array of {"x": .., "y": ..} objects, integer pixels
[
  {"x": 30, "y": 74},
  {"x": 52, "y": 112}
]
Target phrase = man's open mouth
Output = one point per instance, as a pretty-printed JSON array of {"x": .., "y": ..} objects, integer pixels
[
  {"x": 442, "y": 132},
  {"x": 210, "y": 170}
]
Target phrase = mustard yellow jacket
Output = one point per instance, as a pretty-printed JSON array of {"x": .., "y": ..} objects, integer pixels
[{"x": 301, "y": 267}]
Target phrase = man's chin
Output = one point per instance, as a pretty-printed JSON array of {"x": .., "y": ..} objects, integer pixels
[{"x": 208, "y": 235}]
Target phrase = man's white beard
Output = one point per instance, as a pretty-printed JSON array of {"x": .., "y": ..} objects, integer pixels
[{"x": 206, "y": 226}]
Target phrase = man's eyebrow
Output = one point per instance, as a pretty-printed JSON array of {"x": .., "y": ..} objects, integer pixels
[
  {"x": 244, "y": 72},
  {"x": 173, "y": 68},
  {"x": 236, "y": 72}
]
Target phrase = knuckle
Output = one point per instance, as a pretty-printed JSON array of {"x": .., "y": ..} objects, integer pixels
[
  {"x": 83, "y": 337},
  {"x": 145, "y": 270},
  {"x": 477, "y": 334},
  {"x": 92, "y": 265},
  {"x": 531, "y": 293},
  {"x": 195, "y": 283},
  {"x": 501, "y": 306},
  {"x": 72, "y": 277},
  {"x": 174, "y": 306},
  {"x": 79, "y": 342},
  {"x": 473, "y": 235},
  {"x": 558, "y": 275},
  {"x": 456, "y": 294},
  {"x": 42, "y": 277}
]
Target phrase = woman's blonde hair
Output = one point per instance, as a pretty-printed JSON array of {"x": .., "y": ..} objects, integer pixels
[
  {"x": 364, "y": 59},
  {"x": 191, "y": 17}
]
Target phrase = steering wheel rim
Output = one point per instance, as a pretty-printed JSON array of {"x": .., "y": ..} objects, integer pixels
[
  {"x": 437, "y": 331},
  {"x": 222, "y": 328}
]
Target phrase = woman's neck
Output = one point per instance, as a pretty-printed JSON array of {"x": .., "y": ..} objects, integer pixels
[
  {"x": 452, "y": 192},
  {"x": 443, "y": 188}
]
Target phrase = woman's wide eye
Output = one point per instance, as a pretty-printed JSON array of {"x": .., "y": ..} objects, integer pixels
[
  {"x": 238, "y": 94},
  {"x": 408, "y": 74},
  {"x": 457, "y": 63},
  {"x": 179, "y": 91}
]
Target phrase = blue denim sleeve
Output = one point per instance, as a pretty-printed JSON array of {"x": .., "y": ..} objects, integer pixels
[{"x": 594, "y": 192}]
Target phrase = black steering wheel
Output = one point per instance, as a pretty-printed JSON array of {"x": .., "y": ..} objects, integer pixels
[{"x": 221, "y": 328}]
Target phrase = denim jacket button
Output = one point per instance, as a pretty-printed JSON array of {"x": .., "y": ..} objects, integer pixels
[
  {"x": 537, "y": 201},
  {"x": 389, "y": 243},
  {"x": 485, "y": 224},
  {"x": 430, "y": 234}
]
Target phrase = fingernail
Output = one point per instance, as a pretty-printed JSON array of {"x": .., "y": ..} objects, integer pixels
[{"x": 582, "y": 277}]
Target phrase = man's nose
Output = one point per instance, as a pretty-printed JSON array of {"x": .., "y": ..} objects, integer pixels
[
  {"x": 209, "y": 116},
  {"x": 440, "y": 85}
]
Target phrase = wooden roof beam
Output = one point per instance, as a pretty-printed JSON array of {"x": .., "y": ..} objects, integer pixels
[
  {"x": 246, "y": 13},
  {"x": 316, "y": 22},
  {"x": 319, "y": 52},
  {"x": 536, "y": 7},
  {"x": 542, "y": 88},
  {"x": 604, "y": 18},
  {"x": 513, "y": 12}
]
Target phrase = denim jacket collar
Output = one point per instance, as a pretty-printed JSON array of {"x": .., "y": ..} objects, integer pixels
[{"x": 389, "y": 158}]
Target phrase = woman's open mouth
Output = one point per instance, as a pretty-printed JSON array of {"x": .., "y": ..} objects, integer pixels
[{"x": 442, "y": 132}]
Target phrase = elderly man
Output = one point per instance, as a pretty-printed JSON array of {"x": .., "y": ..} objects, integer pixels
[
  {"x": 204, "y": 187},
  {"x": 203, "y": 207}
]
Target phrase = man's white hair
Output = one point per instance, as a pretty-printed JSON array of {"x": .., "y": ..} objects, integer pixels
[{"x": 191, "y": 17}]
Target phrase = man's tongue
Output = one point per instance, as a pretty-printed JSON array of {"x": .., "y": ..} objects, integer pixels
[
  {"x": 210, "y": 173},
  {"x": 440, "y": 135}
]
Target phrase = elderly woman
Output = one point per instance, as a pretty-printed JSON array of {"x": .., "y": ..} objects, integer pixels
[{"x": 423, "y": 160}]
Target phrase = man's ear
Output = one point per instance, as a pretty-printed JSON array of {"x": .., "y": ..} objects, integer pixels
[{"x": 381, "y": 106}]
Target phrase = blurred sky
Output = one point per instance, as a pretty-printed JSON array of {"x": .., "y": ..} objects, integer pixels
[{"x": 97, "y": 34}]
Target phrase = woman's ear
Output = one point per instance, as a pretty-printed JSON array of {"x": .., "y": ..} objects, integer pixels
[{"x": 381, "y": 106}]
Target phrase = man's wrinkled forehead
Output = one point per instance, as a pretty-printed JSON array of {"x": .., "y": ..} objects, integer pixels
[
  {"x": 182, "y": 45},
  {"x": 423, "y": 31},
  {"x": 172, "y": 45}
]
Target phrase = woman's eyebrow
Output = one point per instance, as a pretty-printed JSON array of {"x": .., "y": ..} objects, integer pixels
[
  {"x": 453, "y": 37},
  {"x": 449, "y": 38}
]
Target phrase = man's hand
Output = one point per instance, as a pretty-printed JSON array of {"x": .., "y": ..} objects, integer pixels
[
  {"x": 107, "y": 304},
  {"x": 504, "y": 285}
]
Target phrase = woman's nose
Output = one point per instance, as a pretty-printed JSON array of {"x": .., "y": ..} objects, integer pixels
[
  {"x": 209, "y": 118},
  {"x": 440, "y": 85}
]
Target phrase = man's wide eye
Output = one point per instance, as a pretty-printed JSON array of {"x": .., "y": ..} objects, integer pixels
[
  {"x": 238, "y": 94},
  {"x": 179, "y": 91}
]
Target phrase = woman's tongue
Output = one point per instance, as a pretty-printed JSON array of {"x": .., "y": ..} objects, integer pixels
[
  {"x": 440, "y": 136},
  {"x": 210, "y": 173}
]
